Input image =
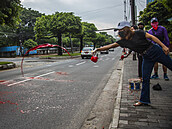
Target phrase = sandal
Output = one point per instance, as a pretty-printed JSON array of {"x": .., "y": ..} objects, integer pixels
[{"x": 139, "y": 104}]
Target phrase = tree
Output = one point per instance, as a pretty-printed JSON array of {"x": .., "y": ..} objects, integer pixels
[
  {"x": 168, "y": 5},
  {"x": 26, "y": 27},
  {"x": 88, "y": 33},
  {"x": 62, "y": 23},
  {"x": 100, "y": 39},
  {"x": 29, "y": 44},
  {"x": 9, "y": 12},
  {"x": 42, "y": 27},
  {"x": 8, "y": 37}
]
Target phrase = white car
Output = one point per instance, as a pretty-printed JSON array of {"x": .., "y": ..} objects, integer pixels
[
  {"x": 104, "y": 52},
  {"x": 86, "y": 52}
]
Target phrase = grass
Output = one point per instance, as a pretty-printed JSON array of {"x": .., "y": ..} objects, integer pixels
[
  {"x": 2, "y": 63},
  {"x": 72, "y": 54}
]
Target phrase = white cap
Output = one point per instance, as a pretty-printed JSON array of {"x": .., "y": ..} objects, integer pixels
[{"x": 122, "y": 25}]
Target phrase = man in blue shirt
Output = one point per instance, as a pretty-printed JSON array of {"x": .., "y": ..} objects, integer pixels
[{"x": 161, "y": 33}]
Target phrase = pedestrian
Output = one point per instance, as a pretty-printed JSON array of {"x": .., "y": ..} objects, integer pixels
[
  {"x": 137, "y": 41},
  {"x": 161, "y": 33},
  {"x": 141, "y": 26}
]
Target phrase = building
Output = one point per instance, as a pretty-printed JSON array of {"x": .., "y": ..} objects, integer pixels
[
  {"x": 148, "y": 1},
  {"x": 13, "y": 51}
]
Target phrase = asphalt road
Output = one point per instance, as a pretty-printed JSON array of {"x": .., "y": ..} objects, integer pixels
[{"x": 53, "y": 95}]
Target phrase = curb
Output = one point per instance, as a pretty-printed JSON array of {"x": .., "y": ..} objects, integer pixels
[
  {"x": 7, "y": 66},
  {"x": 115, "y": 120}
]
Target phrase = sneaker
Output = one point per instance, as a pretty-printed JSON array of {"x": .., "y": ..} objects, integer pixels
[
  {"x": 166, "y": 77},
  {"x": 155, "y": 76}
]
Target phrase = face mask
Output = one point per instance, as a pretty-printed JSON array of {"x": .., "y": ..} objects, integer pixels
[
  {"x": 141, "y": 28},
  {"x": 154, "y": 25},
  {"x": 121, "y": 34}
]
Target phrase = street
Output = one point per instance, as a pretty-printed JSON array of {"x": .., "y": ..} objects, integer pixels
[{"x": 53, "y": 94}]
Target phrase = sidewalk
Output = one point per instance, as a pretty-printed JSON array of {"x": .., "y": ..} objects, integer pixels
[{"x": 156, "y": 116}]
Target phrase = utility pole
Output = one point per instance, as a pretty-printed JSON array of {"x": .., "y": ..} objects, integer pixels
[
  {"x": 132, "y": 3},
  {"x": 125, "y": 17}
]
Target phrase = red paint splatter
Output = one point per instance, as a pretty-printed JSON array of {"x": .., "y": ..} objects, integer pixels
[
  {"x": 2, "y": 102},
  {"x": 61, "y": 73},
  {"x": 2, "y": 80},
  {"x": 21, "y": 111},
  {"x": 8, "y": 101}
]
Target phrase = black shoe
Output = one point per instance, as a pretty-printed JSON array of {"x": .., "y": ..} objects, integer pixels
[{"x": 157, "y": 87}]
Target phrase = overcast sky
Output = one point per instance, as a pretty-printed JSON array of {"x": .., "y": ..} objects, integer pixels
[{"x": 103, "y": 13}]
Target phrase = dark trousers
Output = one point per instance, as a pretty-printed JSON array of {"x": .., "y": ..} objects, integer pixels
[
  {"x": 155, "y": 54},
  {"x": 140, "y": 60}
]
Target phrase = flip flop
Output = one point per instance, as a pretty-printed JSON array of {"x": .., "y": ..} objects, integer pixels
[{"x": 139, "y": 104}]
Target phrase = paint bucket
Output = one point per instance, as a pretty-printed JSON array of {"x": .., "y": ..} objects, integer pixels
[{"x": 134, "y": 84}]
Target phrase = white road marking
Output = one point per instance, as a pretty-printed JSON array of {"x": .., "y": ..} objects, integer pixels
[
  {"x": 80, "y": 63},
  {"x": 4, "y": 82},
  {"x": 30, "y": 79},
  {"x": 70, "y": 66}
]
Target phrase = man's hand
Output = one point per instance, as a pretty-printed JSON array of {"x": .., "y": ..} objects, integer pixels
[
  {"x": 166, "y": 50},
  {"x": 94, "y": 51}
]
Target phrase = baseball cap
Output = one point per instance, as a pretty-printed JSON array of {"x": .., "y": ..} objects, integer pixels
[
  {"x": 154, "y": 19},
  {"x": 140, "y": 23},
  {"x": 122, "y": 25}
]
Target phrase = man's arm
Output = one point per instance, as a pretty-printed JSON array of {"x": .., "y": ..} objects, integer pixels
[
  {"x": 113, "y": 45},
  {"x": 153, "y": 38},
  {"x": 166, "y": 39}
]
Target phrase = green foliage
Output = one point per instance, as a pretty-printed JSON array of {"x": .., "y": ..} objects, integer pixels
[
  {"x": 57, "y": 24},
  {"x": 26, "y": 27},
  {"x": 9, "y": 12},
  {"x": 42, "y": 27},
  {"x": 10, "y": 35},
  {"x": 88, "y": 30},
  {"x": 30, "y": 44},
  {"x": 103, "y": 39},
  {"x": 168, "y": 5},
  {"x": 62, "y": 23},
  {"x": 7, "y": 36}
]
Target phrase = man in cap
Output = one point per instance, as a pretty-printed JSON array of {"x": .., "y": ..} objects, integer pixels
[
  {"x": 161, "y": 33},
  {"x": 141, "y": 26}
]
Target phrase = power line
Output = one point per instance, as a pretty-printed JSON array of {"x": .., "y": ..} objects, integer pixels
[{"x": 100, "y": 9}]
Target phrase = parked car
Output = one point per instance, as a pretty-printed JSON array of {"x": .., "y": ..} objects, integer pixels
[
  {"x": 86, "y": 52},
  {"x": 111, "y": 49},
  {"x": 104, "y": 52}
]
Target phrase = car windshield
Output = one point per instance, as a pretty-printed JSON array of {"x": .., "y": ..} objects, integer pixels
[{"x": 87, "y": 49}]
